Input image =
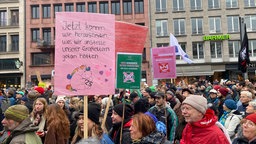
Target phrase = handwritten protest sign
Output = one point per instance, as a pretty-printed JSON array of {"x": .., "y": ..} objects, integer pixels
[
  {"x": 84, "y": 54},
  {"x": 128, "y": 70},
  {"x": 130, "y": 38},
  {"x": 164, "y": 62}
]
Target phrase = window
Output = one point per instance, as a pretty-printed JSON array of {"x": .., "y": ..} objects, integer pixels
[
  {"x": 14, "y": 43},
  {"x": 127, "y": 7},
  {"x": 250, "y": 21},
  {"x": 69, "y": 7},
  {"x": 14, "y": 17},
  {"x": 139, "y": 6},
  {"x": 252, "y": 48},
  {"x": 215, "y": 49},
  {"x": 115, "y": 7},
  {"x": 178, "y": 5},
  {"x": 161, "y": 6},
  {"x": 41, "y": 58},
  {"x": 92, "y": 7},
  {"x": 198, "y": 51},
  {"x": 250, "y": 3},
  {"x": 3, "y": 18},
  {"x": 57, "y": 8},
  {"x": 80, "y": 7},
  {"x": 46, "y": 11},
  {"x": 215, "y": 26},
  {"x": 197, "y": 25},
  {"x": 2, "y": 43},
  {"x": 183, "y": 47},
  {"x": 179, "y": 26},
  {"x": 233, "y": 24},
  {"x": 104, "y": 7},
  {"x": 35, "y": 11},
  {"x": 231, "y": 4},
  {"x": 35, "y": 35},
  {"x": 196, "y": 4},
  {"x": 8, "y": 64},
  {"x": 213, "y": 4},
  {"x": 161, "y": 28},
  {"x": 144, "y": 54},
  {"x": 47, "y": 36},
  {"x": 162, "y": 44},
  {"x": 233, "y": 47}
]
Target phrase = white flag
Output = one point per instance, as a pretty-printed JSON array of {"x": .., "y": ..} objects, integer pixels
[{"x": 178, "y": 49}]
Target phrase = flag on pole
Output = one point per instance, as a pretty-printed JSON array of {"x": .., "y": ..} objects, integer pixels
[
  {"x": 178, "y": 49},
  {"x": 243, "y": 56}
]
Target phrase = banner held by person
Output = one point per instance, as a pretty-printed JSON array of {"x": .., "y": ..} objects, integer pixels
[
  {"x": 84, "y": 54},
  {"x": 178, "y": 49},
  {"x": 164, "y": 62}
]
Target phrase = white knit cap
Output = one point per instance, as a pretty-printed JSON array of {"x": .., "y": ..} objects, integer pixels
[
  {"x": 60, "y": 98},
  {"x": 196, "y": 101}
]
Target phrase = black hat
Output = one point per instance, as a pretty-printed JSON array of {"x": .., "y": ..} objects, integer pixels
[
  {"x": 142, "y": 105},
  {"x": 128, "y": 110},
  {"x": 152, "y": 95},
  {"x": 186, "y": 89},
  {"x": 133, "y": 95},
  {"x": 94, "y": 110}
]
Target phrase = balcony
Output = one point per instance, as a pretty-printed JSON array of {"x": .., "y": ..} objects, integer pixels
[
  {"x": 13, "y": 22},
  {"x": 44, "y": 45}
]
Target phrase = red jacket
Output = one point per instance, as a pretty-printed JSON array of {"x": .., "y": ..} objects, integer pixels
[{"x": 204, "y": 131}]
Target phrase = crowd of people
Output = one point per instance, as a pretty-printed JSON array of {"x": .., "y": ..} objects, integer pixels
[{"x": 199, "y": 112}]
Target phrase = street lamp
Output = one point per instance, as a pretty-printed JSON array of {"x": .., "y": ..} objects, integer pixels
[{"x": 18, "y": 63}]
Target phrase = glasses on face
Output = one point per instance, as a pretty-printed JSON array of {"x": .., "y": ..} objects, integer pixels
[
  {"x": 248, "y": 124},
  {"x": 185, "y": 108}
]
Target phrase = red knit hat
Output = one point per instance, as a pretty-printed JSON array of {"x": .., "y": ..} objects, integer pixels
[
  {"x": 223, "y": 91},
  {"x": 40, "y": 90},
  {"x": 216, "y": 87},
  {"x": 252, "y": 117}
]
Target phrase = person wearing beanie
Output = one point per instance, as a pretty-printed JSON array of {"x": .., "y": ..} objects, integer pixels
[
  {"x": 19, "y": 96},
  {"x": 165, "y": 114},
  {"x": 223, "y": 95},
  {"x": 231, "y": 117},
  {"x": 249, "y": 130},
  {"x": 121, "y": 120},
  {"x": 172, "y": 100},
  {"x": 61, "y": 101},
  {"x": 17, "y": 121},
  {"x": 201, "y": 123},
  {"x": 95, "y": 130}
]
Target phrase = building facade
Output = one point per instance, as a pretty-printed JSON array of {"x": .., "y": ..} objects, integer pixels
[
  {"x": 208, "y": 31},
  {"x": 40, "y": 30},
  {"x": 12, "y": 44}
]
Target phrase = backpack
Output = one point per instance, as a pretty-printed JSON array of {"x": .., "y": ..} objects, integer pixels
[{"x": 5, "y": 104}]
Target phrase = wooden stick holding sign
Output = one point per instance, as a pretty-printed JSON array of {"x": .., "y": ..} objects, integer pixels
[
  {"x": 85, "y": 117},
  {"x": 38, "y": 76},
  {"x": 106, "y": 113}
]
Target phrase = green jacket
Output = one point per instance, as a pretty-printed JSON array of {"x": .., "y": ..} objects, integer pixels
[{"x": 24, "y": 134}]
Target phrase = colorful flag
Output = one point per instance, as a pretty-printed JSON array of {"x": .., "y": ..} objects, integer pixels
[
  {"x": 243, "y": 57},
  {"x": 178, "y": 49}
]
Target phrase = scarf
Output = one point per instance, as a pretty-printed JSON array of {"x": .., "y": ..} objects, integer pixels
[{"x": 224, "y": 117}]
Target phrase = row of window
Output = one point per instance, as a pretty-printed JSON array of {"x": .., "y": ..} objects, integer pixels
[
  {"x": 216, "y": 49},
  {"x": 179, "y": 25},
  {"x": 91, "y": 7},
  {"x": 179, "y": 5},
  {"x": 12, "y": 47}
]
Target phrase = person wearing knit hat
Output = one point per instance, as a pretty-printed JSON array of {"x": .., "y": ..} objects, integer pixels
[
  {"x": 223, "y": 91},
  {"x": 61, "y": 101},
  {"x": 231, "y": 117},
  {"x": 17, "y": 121},
  {"x": 19, "y": 96},
  {"x": 121, "y": 117},
  {"x": 94, "y": 128},
  {"x": 201, "y": 122},
  {"x": 39, "y": 90},
  {"x": 249, "y": 130}
]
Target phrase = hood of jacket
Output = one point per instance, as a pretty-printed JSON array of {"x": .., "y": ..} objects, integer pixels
[
  {"x": 153, "y": 138},
  {"x": 25, "y": 126}
]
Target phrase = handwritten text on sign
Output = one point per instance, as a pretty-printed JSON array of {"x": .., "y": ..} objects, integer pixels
[{"x": 84, "y": 53}]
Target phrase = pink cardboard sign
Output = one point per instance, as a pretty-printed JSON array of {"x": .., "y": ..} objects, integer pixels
[
  {"x": 84, "y": 54},
  {"x": 164, "y": 62}
]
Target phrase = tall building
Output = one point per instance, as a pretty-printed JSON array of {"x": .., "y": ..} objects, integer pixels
[
  {"x": 208, "y": 31},
  {"x": 40, "y": 30},
  {"x": 12, "y": 44}
]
